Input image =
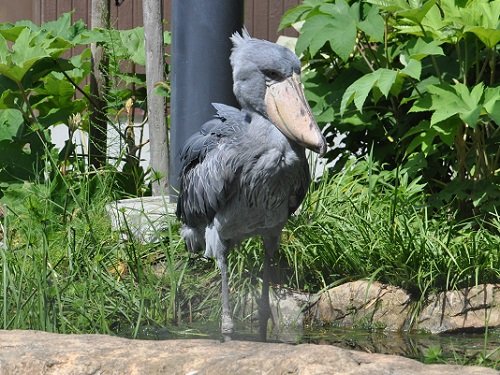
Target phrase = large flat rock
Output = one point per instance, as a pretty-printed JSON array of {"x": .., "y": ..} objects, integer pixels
[{"x": 32, "y": 352}]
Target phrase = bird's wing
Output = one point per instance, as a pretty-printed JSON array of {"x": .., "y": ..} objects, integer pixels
[{"x": 206, "y": 173}]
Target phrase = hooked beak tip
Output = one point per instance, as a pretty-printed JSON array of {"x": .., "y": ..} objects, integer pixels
[{"x": 322, "y": 148}]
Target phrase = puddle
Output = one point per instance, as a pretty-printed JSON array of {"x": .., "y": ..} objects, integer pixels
[{"x": 454, "y": 348}]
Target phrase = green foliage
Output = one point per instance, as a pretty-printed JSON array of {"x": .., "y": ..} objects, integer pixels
[
  {"x": 62, "y": 269},
  {"x": 414, "y": 80},
  {"x": 38, "y": 90},
  {"x": 371, "y": 222}
]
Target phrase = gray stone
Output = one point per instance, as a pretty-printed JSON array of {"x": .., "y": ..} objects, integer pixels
[
  {"x": 145, "y": 218},
  {"x": 31, "y": 352},
  {"x": 376, "y": 305},
  {"x": 465, "y": 309},
  {"x": 363, "y": 304},
  {"x": 288, "y": 309}
]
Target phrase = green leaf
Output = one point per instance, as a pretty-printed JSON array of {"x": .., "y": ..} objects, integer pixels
[
  {"x": 447, "y": 130},
  {"x": 423, "y": 140},
  {"x": 11, "y": 32},
  {"x": 492, "y": 103},
  {"x": 413, "y": 68},
  {"x": 490, "y": 37},
  {"x": 424, "y": 125},
  {"x": 293, "y": 15},
  {"x": 390, "y": 6},
  {"x": 471, "y": 103},
  {"x": 422, "y": 104},
  {"x": 383, "y": 79},
  {"x": 373, "y": 25},
  {"x": 167, "y": 37},
  {"x": 343, "y": 46},
  {"x": 133, "y": 40},
  {"x": 420, "y": 49},
  {"x": 11, "y": 122},
  {"x": 321, "y": 28},
  {"x": 312, "y": 34},
  {"x": 418, "y": 10}
]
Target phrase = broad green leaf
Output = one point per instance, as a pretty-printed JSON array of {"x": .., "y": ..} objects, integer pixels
[
  {"x": 471, "y": 102},
  {"x": 11, "y": 32},
  {"x": 293, "y": 15},
  {"x": 58, "y": 86},
  {"x": 373, "y": 25},
  {"x": 443, "y": 114},
  {"x": 61, "y": 27},
  {"x": 24, "y": 52},
  {"x": 418, "y": 11},
  {"x": 422, "y": 104},
  {"x": 490, "y": 37},
  {"x": 312, "y": 34},
  {"x": 383, "y": 79},
  {"x": 423, "y": 126},
  {"x": 423, "y": 140},
  {"x": 343, "y": 46},
  {"x": 133, "y": 40},
  {"x": 56, "y": 116},
  {"x": 390, "y": 6},
  {"x": 413, "y": 68},
  {"x": 448, "y": 101},
  {"x": 447, "y": 130},
  {"x": 341, "y": 21},
  {"x": 4, "y": 50},
  {"x": 445, "y": 103},
  {"x": 492, "y": 103},
  {"x": 9, "y": 98},
  {"x": 42, "y": 67},
  {"x": 11, "y": 122},
  {"x": 167, "y": 37},
  {"x": 421, "y": 49}
]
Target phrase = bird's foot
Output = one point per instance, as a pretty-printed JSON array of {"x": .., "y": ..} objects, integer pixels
[{"x": 227, "y": 327}]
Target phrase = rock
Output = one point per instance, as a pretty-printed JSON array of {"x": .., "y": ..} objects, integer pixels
[
  {"x": 288, "y": 308},
  {"x": 363, "y": 304},
  {"x": 458, "y": 310},
  {"x": 31, "y": 352},
  {"x": 144, "y": 218},
  {"x": 376, "y": 305}
]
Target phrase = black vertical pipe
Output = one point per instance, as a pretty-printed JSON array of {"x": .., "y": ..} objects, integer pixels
[{"x": 201, "y": 73}]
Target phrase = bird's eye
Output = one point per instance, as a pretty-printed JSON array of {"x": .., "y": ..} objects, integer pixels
[{"x": 273, "y": 75}]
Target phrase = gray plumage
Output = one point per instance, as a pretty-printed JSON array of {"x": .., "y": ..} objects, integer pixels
[{"x": 241, "y": 176}]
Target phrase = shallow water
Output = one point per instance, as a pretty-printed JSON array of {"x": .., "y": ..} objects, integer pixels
[{"x": 458, "y": 347}]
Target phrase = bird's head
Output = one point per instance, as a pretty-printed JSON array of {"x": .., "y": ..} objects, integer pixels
[{"x": 267, "y": 80}]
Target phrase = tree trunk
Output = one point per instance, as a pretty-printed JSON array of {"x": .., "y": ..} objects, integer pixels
[
  {"x": 158, "y": 135},
  {"x": 98, "y": 87}
]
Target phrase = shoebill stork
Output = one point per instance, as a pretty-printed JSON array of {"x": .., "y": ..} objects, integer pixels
[{"x": 246, "y": 171}]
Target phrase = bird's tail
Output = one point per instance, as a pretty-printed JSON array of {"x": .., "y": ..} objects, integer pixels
[{"x": 194, "y": 238}]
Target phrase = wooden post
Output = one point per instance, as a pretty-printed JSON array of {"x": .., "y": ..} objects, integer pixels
[
  {"x": 155, "y": 61},
  {"x": 98, "y": 87}
]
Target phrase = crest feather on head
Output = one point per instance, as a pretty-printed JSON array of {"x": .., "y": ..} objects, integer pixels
[{"x": 240, "y": 39}]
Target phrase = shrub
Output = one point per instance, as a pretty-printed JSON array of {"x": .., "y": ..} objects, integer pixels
[{"x": 414, "y": 80}]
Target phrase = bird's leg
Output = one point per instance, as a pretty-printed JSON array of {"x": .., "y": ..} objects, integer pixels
[
  {"x": 271, "y": 245},
  {"x": 218, "y": 248},
  {"x": 227, "y": 321}
]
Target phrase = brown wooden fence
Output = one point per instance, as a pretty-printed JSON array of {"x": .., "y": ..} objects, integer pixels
[{"x": 262, "y": 17}]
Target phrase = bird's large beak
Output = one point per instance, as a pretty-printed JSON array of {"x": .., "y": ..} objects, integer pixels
[{"x": 288, "y": 109}]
